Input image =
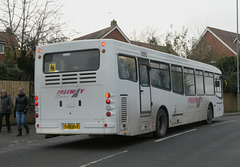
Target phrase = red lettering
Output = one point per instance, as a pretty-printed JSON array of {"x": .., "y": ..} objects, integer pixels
[
  {"x": 72, "y": 91},
  {"x": 194, "y": 99},
  {"x": 81, "y": 90}
]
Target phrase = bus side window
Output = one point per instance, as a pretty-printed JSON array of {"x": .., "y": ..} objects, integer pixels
[
  {"x": 127, "y": 68},
  {"x": 144, "y": 75},
  {"x": 160, "y": 75},
  {"x": 209, "y": 83},
  {"x": 218, "y": 85},
  {"x": 199, "y": 82},
  {"x": 189, "y": 81},
  {"x": 177, "y": 79}
]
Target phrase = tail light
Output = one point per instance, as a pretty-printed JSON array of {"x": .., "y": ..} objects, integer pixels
[
  {"x": 36, "y": 106},
  {"x": 108, "y": 106},
  {"x": 108, "y": 101},
  {"x": 107, "y": 95},
  {"x": 108, "y": 114},
  {"x": 36, "y": 103}
]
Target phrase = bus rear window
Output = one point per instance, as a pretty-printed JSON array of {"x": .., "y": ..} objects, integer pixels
[{"x": 85, "y": 60}]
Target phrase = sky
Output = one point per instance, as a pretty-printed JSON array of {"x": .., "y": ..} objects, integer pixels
[{"x": 87, "y": 16}]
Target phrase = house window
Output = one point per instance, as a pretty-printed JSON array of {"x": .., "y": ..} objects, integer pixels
[{"x": 1, "y": 49}]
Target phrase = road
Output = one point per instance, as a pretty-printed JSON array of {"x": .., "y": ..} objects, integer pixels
[{"x": 195, "y": 145}]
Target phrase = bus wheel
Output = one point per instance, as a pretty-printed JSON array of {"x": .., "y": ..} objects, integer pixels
[
  {"x": 209, "y": 115},
  {"x": 161, "y": 124}
]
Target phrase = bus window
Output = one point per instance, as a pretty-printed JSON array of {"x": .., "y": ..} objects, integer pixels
[
  {"x": 85, "y": 60},
  {"x": 189, "y": 81},
  {"x": 160, "y": 75},
  {"x": 177, "y": 79},
  {"x": 218, "y": 85},
  {"x": 127, "y": 68},
  {"x": 208, "y": 82},
  {"x": 199, "y": 82},
  {"x": 144, "y": 76}
]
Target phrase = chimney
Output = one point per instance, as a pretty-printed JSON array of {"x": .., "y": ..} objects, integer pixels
[{"x": 113, "y": 23}]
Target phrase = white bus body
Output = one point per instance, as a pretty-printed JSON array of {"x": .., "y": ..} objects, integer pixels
[{"x": 72, "y": 79}]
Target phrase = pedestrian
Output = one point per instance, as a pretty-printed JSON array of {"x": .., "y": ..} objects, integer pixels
[
  {"x": 20, "y": 111},
  {"x": 6, "y": 105}
]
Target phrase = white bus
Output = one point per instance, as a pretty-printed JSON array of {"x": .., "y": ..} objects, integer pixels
[{"x": 105, "y": 87}]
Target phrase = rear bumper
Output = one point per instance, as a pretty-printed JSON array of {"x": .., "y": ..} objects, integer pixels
[{"x": 94, "y": 127}]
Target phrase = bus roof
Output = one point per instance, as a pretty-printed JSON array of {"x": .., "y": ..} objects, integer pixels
[
  {"x": 138, "y": 51},
  {"x": 168, "y": 58}
]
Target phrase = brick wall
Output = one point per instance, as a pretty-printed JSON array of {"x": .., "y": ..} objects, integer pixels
[
  {"x": 116, "y": 35},
  {"x": 217, "y": 46}
]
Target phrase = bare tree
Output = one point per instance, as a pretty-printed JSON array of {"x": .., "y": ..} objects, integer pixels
[
  {"x": 173, "y": 41},
  {"x": 33, "y": 23},
  {"x": 179, "y": 41}
]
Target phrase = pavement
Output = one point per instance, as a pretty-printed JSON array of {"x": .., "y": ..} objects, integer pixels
[
  {"x": 11, "y": 140},
  {"x": 231, "y": 114}
]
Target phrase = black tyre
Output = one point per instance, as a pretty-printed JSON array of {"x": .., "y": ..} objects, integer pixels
[
  {"x": 161, "y": 124},
  {"x": 209, "y": 115}
]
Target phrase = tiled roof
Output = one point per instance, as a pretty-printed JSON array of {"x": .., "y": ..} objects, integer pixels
[
  {"x": 228, "y": 38},
  {"x": 104, "y": 32},
  {"x": 96, "y": 35},
  {"x": 155, "y": 47},
  {"x": 5, "y": 39}
]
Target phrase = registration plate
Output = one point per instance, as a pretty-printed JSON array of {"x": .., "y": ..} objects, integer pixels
[{"x": 71, "y": 126}]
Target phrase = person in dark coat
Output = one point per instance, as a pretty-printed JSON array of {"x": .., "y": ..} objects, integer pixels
[
  {"x": 6, "y": 105},
  {"x": 20, "y": 111}
]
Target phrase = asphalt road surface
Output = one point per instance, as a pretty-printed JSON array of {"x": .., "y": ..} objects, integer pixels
[{"x": 195, "y": 145}]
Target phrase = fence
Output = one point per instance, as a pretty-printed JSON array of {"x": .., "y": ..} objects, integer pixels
[
  {"x": 230, "y": 102},
  {"x": 11, "y": 87}
]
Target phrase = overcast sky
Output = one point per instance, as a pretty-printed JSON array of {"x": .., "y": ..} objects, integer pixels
[{"x": 87, "y": 16}]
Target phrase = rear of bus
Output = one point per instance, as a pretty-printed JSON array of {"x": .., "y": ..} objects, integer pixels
[{"x": 72, "y": 92}]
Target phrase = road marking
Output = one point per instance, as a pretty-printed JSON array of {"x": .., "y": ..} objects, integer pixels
[
  {"x": 165, "y": 138},
  {"x": 110, "y": 156},
  {"x": 222, "y": 123}
]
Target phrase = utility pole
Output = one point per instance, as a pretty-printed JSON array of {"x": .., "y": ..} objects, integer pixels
[{"x": 237, "y": 62}]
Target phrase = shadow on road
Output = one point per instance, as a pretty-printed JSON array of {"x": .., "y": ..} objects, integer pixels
[
  {"x": 102, "y": 143},
  {"x": 116, "y": 142}
]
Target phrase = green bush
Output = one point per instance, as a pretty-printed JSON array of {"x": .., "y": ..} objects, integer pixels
[
  {"x": 228, "y": 66},
  {"x": 10, "y": 73}
]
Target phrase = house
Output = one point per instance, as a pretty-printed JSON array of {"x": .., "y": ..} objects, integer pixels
[
  {"x": 213, "y": 44},
  {"x": 6, "y": 43},
  {"x": 114, "y": 32}
]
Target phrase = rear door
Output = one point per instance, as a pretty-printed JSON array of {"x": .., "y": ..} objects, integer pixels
[{"x": 144, "y": 85}]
